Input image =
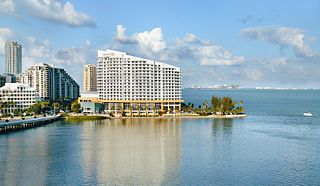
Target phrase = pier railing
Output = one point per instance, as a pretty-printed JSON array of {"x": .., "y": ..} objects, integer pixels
[{"x": 12, "y": 125}]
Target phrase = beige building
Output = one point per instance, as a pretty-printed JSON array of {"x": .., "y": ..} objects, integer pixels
[{"x": 89, "y": 78}]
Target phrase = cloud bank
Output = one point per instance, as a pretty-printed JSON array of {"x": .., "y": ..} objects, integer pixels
[
  {"x": 71, "y": 59},
  {"x": 152, "y": 44},
  {"x": 281, "y": 36},
  {"x": 50, "y": 10},
  {"x": 7, "y": 6},
  {"x": 5, "y": 34}
]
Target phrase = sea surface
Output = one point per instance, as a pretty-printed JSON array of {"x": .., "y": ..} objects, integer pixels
[{"x": 274, "y": 145}]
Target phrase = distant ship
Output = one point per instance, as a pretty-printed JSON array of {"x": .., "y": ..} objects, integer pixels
[
  {"x": 218, "y": 87},
  {"x": 277, "y": 88},
  {"x": 307, "y": 114}
]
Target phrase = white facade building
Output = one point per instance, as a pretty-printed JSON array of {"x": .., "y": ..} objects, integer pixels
[
  {"x": 18, "y": 96},
  {"x": 51, "y": 83},
  {"x": 126, "y": 82}
]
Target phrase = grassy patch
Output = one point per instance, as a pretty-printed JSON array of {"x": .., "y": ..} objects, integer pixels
[{"x": 81, "y": 118}]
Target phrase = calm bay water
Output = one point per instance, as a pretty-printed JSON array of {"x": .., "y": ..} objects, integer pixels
[{"x": 275, "y": 145}]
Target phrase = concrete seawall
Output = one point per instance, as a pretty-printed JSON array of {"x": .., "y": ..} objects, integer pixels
[{"x": 15, "y": 125}]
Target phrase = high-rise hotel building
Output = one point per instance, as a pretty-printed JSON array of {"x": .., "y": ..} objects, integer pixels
[
  {"x": 89, "y": 78},
  {"x": 127, "y": 83},
  {"x": 51, "y": 83},
  {"x": 13, "y": 57}
]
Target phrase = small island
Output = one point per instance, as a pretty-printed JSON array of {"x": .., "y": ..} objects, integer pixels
[{"x": 223, "y": 107}]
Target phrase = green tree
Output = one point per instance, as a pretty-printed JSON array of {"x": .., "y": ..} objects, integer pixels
[
  {"x": 17, "y": 112},
  {"x": 44, "y": 106},
  {"x": 75, "y": 107},
  {"x": 56, "y": 106},
  {"x": 205, "y": 106},
  {"x": 216, "y": 104},
  {"x": 2, "y": 107},
  {"x": 67, "y": 108},
  {"x": 239, "y": 109},
  {"x": 227, "y": 105},
  {"x": 34, "y": 109}
]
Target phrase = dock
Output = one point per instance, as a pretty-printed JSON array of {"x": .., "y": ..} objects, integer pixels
[{"x": 14, "y": 125}]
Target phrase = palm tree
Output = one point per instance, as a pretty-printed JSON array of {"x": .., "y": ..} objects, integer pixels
[
  {"x": 154, "y": 110},
  {"x": 1, "y": 107},
  {"x": 130, "y": 110},
  {"x": 139, "y": 111},
  {"x": 205, "y": 105},
  {"x": 190, "y": 107},
  {"x": 56, "y": 106},
  {"x": 147, "y": 110}
]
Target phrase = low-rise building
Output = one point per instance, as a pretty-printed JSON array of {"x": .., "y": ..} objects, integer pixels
[
  {"x": 7, "y": 78},
  {"x": 88, "y": 105},
  {"x": 17, "y": 96}
]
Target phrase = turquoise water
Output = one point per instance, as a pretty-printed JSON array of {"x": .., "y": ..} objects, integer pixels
[{"x": 275, "y": 145}]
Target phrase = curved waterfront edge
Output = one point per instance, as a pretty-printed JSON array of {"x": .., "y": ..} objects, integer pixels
[
  {"x": 173, "y": 116},
  {"x": 14, "y": 125}
]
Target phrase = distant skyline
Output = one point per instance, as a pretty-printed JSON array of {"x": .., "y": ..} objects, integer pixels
[{"x": 251, "y": 43}]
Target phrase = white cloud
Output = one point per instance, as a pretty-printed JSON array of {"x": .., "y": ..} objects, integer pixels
[
  {"x": 149, "y": 42},
  {"x": 42, "y": 52},
  {"x": 72, "y": 56},
  {"x": 253, "y": 74},
  {"x": 152, "y": 44},
  {"x": 71, "y": 59},
  {"x": 55, "y": 11},
  {"x": 275, "y": 63},
  {"x": 121, "y": 35},
  {"x": 35, "y": 52},
  {"x": 282, "y": 36},
  {"x": 7, "y": 6},
  {"x": 205, "y": 52},
  {"x": 36, "y": 49},
  {"x": 216, "y": 55},
  {"x": 5, "y": 34}
]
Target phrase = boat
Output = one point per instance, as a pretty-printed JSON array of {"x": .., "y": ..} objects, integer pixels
[{"x": 307, "y": 114}]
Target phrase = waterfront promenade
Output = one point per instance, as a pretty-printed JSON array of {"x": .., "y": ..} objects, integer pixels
[{"x": 12, "y": 125}]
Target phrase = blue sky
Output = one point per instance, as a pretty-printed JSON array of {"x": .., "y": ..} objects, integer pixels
[{"x": 252, "y": 43}]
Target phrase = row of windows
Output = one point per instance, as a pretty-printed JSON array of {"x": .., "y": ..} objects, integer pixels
[{"x": 140, "y": 70}]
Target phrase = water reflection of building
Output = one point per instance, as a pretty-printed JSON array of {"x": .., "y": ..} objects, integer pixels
[{"x": 132, "y": 151}]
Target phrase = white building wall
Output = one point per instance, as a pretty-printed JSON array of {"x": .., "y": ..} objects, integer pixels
[
  {"x": 22, "y": 95},
  {"x": 51, "y": 83},
  {"x": 125, "y": 77}
]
